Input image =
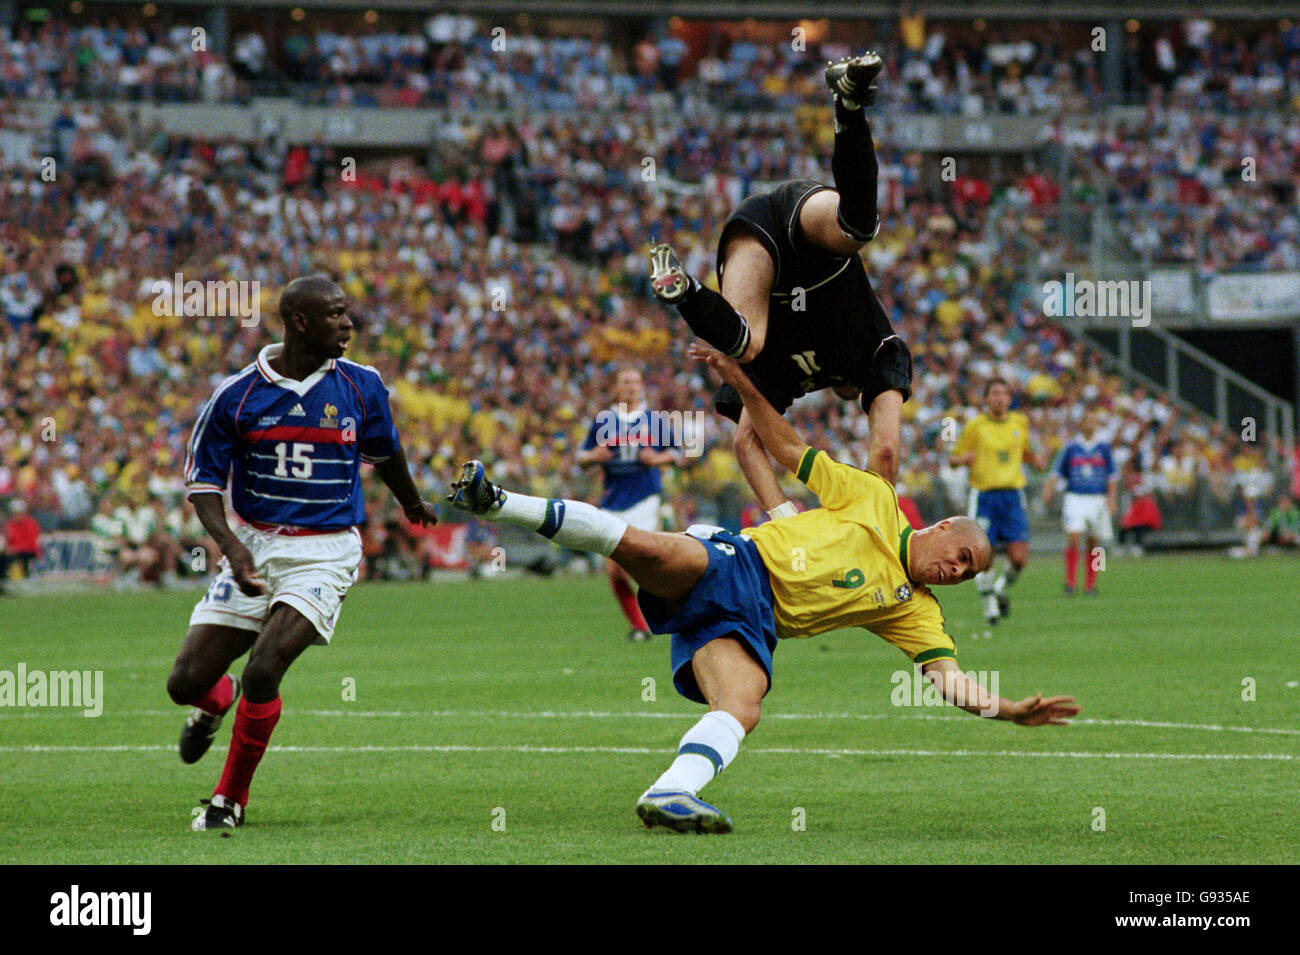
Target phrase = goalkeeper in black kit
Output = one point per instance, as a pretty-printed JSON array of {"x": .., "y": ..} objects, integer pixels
[{"x": 795, "y": 307}]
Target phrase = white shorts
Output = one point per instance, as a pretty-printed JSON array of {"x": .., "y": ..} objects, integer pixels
[
  {"x": 311, "y": 574},
  {"x": 644, "y": 515},
  {"x": 1087, "y": 514}
]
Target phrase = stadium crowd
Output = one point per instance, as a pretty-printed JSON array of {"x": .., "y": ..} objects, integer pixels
[
  {"x": 460, "y": 63},
  {"x": 496, "y": 297},
  {"x": 1214, "y": 191}
]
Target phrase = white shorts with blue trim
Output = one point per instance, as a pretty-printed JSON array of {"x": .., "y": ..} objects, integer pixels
[
  {"x": 311, "y": 574},
  {"x": 1087, "y": 514}
]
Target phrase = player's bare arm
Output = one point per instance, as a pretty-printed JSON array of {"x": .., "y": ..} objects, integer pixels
[
  {"x": 779, "y": 437},
  {"x": 754, "y": 463},
  {"x": 961, "y": 691},
  {"x": 884, "y": 420},
  {"x": 396, "y": 474},
  {"x": 1049, "y": 489},
  {"x": 658, "y": 459},
  {"x": 597, "y": 455},
  {"x": 211, "y": 509}
]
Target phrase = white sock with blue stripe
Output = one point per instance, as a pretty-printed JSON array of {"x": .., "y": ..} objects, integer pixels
[
  {"x": 571, "y": 524},
  {"x": 706, "y": 750}
]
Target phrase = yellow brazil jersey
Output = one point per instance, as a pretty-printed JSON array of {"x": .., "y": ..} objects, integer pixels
[
  {"x": 844, "y": 564},
  {"x": 999, "y": 448}
]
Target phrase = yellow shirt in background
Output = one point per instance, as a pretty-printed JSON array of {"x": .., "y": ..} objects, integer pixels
[{"x": 999, "y": 448}]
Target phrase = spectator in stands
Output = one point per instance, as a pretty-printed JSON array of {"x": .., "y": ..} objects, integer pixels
[
  {"x": 1282, "y": 525},
  {"x": 22, "y": 542},
  {"x": 1143, "y": 513}
]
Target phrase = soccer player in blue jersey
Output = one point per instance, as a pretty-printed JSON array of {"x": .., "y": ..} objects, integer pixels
[
  {"x": 624, "y": 441},
  {"x": 290, "y": 431},
  {"x": 1087, "y": 468}
]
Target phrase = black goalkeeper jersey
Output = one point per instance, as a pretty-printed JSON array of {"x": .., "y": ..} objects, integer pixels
[{"x": 824, "y": 321}]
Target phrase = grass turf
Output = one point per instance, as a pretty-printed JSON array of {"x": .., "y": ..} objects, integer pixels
[{"x": 506, "y": 721}]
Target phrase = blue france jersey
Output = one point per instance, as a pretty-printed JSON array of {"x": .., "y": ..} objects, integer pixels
[
  {"x": 293, "y": 449},
  {"x": 628, "y": 482},
  {"x": 1087, "y": 468}
]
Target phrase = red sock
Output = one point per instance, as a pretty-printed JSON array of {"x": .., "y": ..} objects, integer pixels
[
  {"x": 1091, "y": 578},
  {"x": 1071, "y": 566},
  {"x": 627, "y": 600},
  {"x": 219, "y": 697},
  {"x": 253, "y": 725}
]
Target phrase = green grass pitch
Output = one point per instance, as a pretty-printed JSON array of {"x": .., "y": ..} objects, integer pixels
[{"x": 506, "y": 721}]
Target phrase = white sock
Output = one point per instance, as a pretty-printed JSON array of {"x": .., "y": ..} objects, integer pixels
[
  {"x": 984, "y": 580},
  {"x": 570, "y": 524},
  {"x": 706, "y": 750}
]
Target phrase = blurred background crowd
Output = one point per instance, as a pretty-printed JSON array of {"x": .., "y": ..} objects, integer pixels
[{"x": 500, "y": 285}]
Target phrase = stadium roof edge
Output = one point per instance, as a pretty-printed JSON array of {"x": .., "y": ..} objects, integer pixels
[{"x": 809, "y": 9}]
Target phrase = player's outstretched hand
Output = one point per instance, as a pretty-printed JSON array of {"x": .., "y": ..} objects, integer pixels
[
  {"x": 422, "y": 513},
  {"x": 244, "y": 570},
  {"x": 1036, "y": 711},
  {"x": 724, "y": 365}
]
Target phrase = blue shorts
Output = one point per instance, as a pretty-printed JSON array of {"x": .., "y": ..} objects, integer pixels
[
  {"x": 732, "y": 599},
  {"x": 1002, "y": 515}
]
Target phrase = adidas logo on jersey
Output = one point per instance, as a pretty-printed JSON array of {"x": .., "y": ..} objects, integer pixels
[{"x": 297, "y": 411}]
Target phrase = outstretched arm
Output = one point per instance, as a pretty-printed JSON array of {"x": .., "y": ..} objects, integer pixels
[
  {"x": 778, "y": 436},
  {"x": 395, "y": 473},
  {"x": 961, "y": 691},
  {"x": 884, "y": 420},
  {"x": 752, "y": 457}
]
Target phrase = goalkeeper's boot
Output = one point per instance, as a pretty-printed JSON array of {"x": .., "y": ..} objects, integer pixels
[
  {"x": 681, "y": 812},
  {"x": 474, "y": 492},
  {"x": 201, "y": 728},
  {"x": 851, "y": 79},
  {"x": 217, "y": 814},
  {"x": 668, "y": 280}
]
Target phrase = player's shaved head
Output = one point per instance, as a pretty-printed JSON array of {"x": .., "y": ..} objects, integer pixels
[
  {"x": 315, "y": 315},
  {"x": 949, "y": 552},
  {"x": 307, "y": 295},
  {"x": 968, "y": 530}
]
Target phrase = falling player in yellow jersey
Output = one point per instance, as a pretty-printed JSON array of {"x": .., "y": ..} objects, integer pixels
[
  {"x": 727, "y": 598},
  {"x": 995, "y": 445}
]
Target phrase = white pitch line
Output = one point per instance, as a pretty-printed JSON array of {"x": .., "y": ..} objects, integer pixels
[
  {"x": 643, "y": 750},
  {"x": 653, "y": 715}
]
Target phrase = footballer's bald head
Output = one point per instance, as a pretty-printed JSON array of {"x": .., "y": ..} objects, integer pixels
[
  {"x": 315, "y": 315},
  {"x": 307, "y": 295},
  {"x": 949, "y": 552}
]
